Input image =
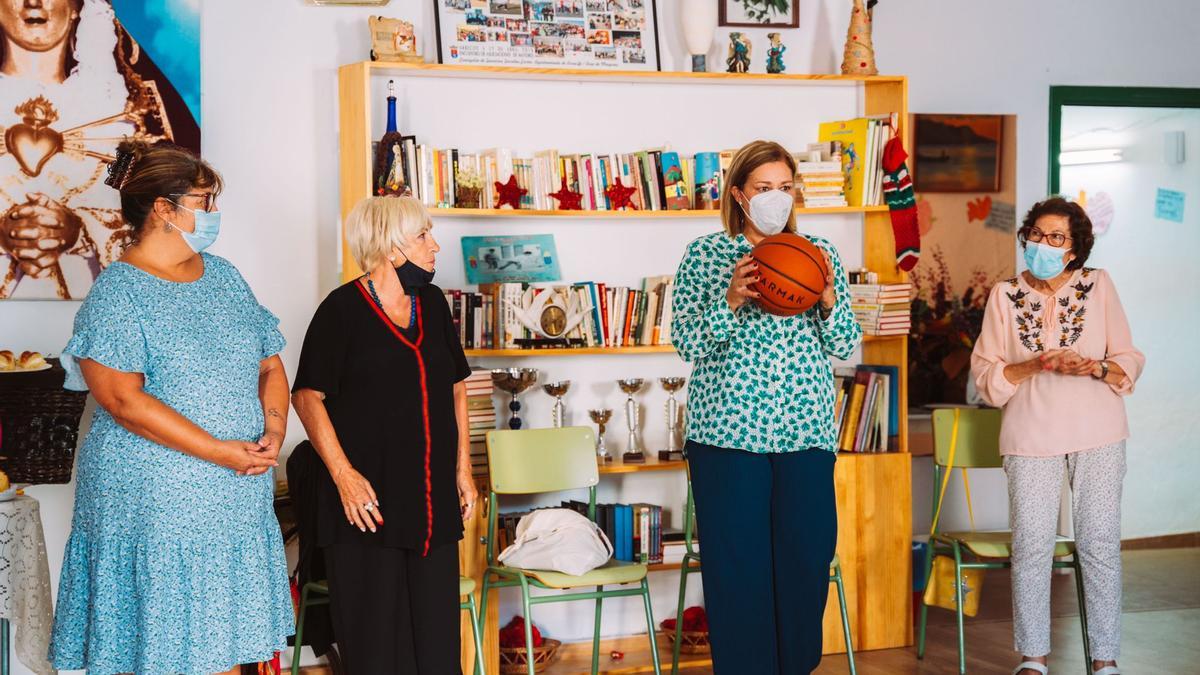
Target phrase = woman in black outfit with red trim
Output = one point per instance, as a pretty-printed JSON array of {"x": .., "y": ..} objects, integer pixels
[{"x": 380, "y": 392}]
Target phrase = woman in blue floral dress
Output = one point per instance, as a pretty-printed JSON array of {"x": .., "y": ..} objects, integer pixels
[{"x": 175, "y": 562}]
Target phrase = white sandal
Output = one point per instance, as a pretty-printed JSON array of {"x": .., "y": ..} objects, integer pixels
[
  {"x": 1040, "y": 667},
  {"x": 1107, "y": 670}
]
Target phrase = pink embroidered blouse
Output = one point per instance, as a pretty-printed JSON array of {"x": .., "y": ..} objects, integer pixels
[{"x": 1050, "y": 413}]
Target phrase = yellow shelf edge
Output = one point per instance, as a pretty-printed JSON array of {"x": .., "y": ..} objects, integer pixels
[
  {"x": 683, "y": 213},
  {"x": 452, "y": 70},
  {"x": 571, "y": 351}
]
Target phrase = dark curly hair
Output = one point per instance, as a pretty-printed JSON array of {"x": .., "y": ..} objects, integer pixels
[
  {"x": 1079, "y": 224},
  {"x": 145, "y": 173}
]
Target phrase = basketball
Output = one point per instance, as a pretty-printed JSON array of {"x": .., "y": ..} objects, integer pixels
[{"x": 793, "y": 274}]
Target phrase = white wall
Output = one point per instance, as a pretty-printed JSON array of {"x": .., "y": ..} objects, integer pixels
[
  {"x": 1163, "y": 462},
  {"x": 270, "y": 126}
]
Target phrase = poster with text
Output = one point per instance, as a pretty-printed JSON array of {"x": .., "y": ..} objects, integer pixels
[{"x": 596, "y": 34}]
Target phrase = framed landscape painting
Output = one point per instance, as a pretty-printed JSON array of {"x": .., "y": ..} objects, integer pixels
[{"x": 957, "y": 153}]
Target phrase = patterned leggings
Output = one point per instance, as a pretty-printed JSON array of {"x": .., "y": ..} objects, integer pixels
[{"x": 1034, "y": 485}]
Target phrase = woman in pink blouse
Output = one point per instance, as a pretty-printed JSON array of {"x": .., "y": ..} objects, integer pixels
[{"x": 1057, "y": 355}]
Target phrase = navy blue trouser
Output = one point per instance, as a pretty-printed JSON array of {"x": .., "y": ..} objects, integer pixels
[{"x": 767, "y": 527}]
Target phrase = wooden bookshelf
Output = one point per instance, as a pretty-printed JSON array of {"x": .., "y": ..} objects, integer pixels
[
  {"x": 874, "y": 491},
  {"x": 652, "y": 463},
  {"x": 571, "y": 351},
  {"x": 685, "y": 213}
]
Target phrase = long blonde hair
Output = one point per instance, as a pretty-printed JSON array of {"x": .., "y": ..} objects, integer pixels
[{"x": 751, "y": 156}]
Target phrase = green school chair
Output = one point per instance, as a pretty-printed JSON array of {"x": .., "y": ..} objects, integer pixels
[
  {"x": 969, "y": 438},
  {"x": 466, "y": 587},
  {"x": 691, "y": 564},
  {"x": 531, "y": 461}
]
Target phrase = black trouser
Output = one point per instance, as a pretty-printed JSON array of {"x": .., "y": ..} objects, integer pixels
[
  {"x": 394, "y": 611},
  {"x": 767, "y": 527}
]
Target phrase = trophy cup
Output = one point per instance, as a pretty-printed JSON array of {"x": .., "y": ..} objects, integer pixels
[
  {"x": 514, "y": 381},
  {"x": 633, "y": 418},
  {"x": 601, "y": 416},
  {"x": 674, "y": 452},
  {"x": 557, "y": 390}
]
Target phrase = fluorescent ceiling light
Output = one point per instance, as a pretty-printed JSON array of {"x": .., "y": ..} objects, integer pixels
[{"x": 1090, "y": 156}]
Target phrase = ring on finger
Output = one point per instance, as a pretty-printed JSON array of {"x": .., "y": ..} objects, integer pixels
[{"x": 368, "y": 507}]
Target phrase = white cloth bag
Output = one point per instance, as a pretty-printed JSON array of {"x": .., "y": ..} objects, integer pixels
[{"x": 560, "y": 540}]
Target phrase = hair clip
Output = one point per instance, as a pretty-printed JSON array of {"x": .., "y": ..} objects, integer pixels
[{"x": 119, "y": 170}]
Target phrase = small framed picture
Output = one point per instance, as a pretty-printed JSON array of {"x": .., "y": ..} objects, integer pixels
[
  {"x": 957, "y": 153},
  {"x": 759, "y": 13},
  {"x": 595, "y": 34}
]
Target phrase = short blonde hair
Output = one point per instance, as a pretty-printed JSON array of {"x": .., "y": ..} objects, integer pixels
[
  {"x": 376, "y": 224},
  {"x": 751, "y": 156}
]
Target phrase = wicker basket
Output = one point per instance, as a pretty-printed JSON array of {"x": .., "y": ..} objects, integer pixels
[
  {"x": 39, "y": 421},
  {"x": 690, "y": 641},
  {"x": 512, "y": 659}
]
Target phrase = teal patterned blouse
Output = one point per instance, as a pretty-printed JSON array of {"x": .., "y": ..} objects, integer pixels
[{"x": 760, "y": 382}]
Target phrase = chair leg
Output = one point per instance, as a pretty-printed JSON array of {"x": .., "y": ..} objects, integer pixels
[
  {"x": 841, "y": 591},
  {"x": 651, "y": 633},
  {"x": 479, "y": 667},
  {"x": 683, "y": 576},
  {"x": 528, "y": 628},
  {"x": 300, "y": 630},
  {"x": 596, "y": 633},
  {"x": 924, "y": 607},
  {"x": 958, "y": 606},
  {"x": 5, "y": 660},
  {"x": 1083, "y": 624}
]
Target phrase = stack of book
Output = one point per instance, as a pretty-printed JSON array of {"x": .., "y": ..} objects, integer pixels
[
  {"x": 882, "y": 309},
  {"x": 612, "y": 316},
  {"x": 862, "y": 140},
  {"x": 820, "y": 184},
  {"x": 867, "y": 408},
  {"x": 674, "y": 546},
  {"x": 481, "y": 416}
]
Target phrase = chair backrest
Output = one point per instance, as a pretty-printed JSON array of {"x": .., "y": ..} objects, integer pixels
[
  {"x": 527, "y": 461},
  {"x": 978, "y": 444}
]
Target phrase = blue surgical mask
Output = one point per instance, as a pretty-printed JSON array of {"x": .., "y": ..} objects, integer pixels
[
  {"x": 208, "y": 226},
  {"x": 1044, "y": 261}
]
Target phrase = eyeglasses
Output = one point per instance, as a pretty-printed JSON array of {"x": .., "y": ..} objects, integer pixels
[
  {"x": 1055, "y": 239},
  {"x": 210, "y": 199}
]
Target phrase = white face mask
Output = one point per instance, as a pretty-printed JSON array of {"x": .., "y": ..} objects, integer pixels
[{"x": 770, "y": 211}]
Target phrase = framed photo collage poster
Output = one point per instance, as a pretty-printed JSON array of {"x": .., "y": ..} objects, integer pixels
[{"x": 596, "y": 34}]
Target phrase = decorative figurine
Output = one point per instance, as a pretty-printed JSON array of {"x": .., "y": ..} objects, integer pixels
[
  {"x": 859, "y": 55},
  {"x": 775, "y": 54},
  {"x": 393, "y": 40},
  {"x": 739, "y": 53}
]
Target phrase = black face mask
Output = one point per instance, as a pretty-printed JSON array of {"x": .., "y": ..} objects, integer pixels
[{"x": 412, "y": 277}]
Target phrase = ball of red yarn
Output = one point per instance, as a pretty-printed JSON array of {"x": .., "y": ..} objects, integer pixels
[
  {"x": 513, "y": 634},
  {"x": 694, "y": 620}
]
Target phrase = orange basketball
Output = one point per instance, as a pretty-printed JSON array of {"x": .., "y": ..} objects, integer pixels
[{"x": 793, "y": 274}]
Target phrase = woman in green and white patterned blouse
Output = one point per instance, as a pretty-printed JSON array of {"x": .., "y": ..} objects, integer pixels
[{"x": 761, "y": 442}]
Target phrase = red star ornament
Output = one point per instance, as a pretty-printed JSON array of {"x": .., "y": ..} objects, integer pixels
[
  {"x": 509, "y": 193},
  {"x": 620, "y": 195},
  {"x": 567, "y": 200}
]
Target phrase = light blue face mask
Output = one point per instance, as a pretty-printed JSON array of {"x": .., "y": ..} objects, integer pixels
[
  {"x": 208, "y": 226},
  {"x": 1044, "y": 261}
]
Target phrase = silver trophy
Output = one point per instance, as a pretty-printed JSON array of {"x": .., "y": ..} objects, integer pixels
[
  {"x": 514, "y": 381},
  {"x": 601, "y": 416},
  {"x": 558, "y": 390},
  {"x": 674, "y": 451},
  {"x": 633, "y": 419}
]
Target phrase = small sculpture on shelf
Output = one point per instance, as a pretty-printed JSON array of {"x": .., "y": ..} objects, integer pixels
[
  {"x": 601, "y": 416},
  {"x": 467, "y": 187},
  {"x": 393, "y": 40},
  {"x": 514, "y": 381},
  {"x": 859, "y": 55},
  {"x": 633, "y": 419},
  {"x": 557, "y": 390},
  {"x": 739, "y": 53},
  {"x": 775, "y": 54},
  {"x": 550, "y": 315},
  {"x": 568, "y": 199},
  {"x": 620, "y": 196},
  {"x": 674, "y": 451},
  {"x": 509, "y": 193}
]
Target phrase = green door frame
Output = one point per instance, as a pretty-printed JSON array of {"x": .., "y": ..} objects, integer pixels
[{"x": 1130, "y": 97}]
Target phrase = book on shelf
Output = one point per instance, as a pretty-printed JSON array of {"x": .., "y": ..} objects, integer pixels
[
  {"x": 862, "y": 140},
  {"x": 867, "y": 408},
  {"x": 882, "y": 309},
  {"x": 614, "y": 316}
]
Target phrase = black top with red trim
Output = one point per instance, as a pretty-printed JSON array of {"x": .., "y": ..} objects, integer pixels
[{"x": 384, "y": 390}]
